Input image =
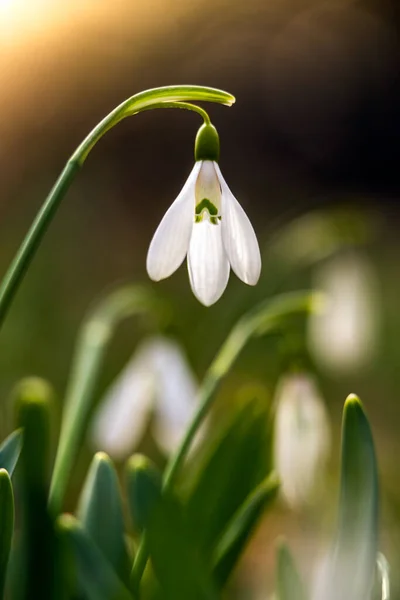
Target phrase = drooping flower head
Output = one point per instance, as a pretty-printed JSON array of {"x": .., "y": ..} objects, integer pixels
[
  {"x": 207, "y": 224},
  {"x": 301, "y": 438},
  {"x": 157, "y": 382}
]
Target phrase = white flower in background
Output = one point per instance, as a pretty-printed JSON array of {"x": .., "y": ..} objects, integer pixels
[
  {"x": 207, "y": 224},
  {"x": 301, "y": 438},
  {"x": 343, "y": 335},
  {"x": 156, "y": 382}
]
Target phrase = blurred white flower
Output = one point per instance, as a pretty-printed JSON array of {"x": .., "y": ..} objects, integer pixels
[
  {"x": 343, "y": 335},
  {"x": 340, "y": 576},
  {"x": 207, "y": 224},
  {"x": 302, "y": 438},
  {"x": 156, "y": 382}
]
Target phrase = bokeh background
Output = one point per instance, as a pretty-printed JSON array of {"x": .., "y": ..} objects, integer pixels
[{"x": 315, "y": 128}]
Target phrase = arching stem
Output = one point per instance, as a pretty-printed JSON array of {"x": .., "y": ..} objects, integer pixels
[{"x": 165, "y": 97}]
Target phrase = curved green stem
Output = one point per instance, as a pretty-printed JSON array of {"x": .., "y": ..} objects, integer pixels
[
  {"x": 92, "y": 344},
  {"x": 164, "y": 97},
  {"x": 265, "y": 318},
  {"x": 147, "y": 100},
  {"x": 30, "y": 244}
]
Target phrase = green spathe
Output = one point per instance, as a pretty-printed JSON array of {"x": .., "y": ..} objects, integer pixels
[{"x": 206, "y": 146}]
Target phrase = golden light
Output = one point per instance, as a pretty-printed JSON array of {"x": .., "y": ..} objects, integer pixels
[{"x": 20, "y": 19}]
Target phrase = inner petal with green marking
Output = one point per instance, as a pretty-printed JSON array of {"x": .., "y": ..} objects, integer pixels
[
  {"x": 206, "y": 206},
  {"x": 208, "y": 194}
]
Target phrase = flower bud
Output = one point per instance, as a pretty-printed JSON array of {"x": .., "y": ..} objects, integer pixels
[{"x": 301, "y": 438}]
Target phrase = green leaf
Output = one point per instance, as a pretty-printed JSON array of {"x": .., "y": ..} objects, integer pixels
[
  {"x": 6, "y": 524},
  {"x": 95, "y": 335},
  {"x": 288, "y": 581},
  {"x": 229, "y": 471},
  {"x": 100, "y": 512},
  {"x": 96, "y": 577},
  {"x": 143, "y": 481},
  {"x": 353, "y": 561},
  {"x": 39, "y": 552},
  {"x": 241, "y": 527},
  {"x": 10, "y": 450},
  {"x": 176, "y": 559}
]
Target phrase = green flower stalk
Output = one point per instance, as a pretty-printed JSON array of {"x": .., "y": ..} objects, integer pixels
[{"x": 178, "y": 96}]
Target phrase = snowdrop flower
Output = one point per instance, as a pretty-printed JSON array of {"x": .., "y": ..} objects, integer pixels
[
  {"x": 301, "y": 438},
  {"x": 157, "y": 381},
  {"x": 207, "y": 224},
  {"x": 343, "y": 336}
]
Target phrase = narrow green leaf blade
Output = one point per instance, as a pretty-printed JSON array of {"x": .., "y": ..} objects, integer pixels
[
  {"x": 288, "y": 581},
  {"x": 10, "y": 450},
  {"x": 240, "y": 529},
  {"x": 177, "y": 562},
  {"x": 143, "y": 482},
  {"x": 353, "y": 560},
  {"x": 101, "y": 515},
  {"x": 39, "y": 553},
  {"x": 96, "y": 577},
  {"x": 227, "y": 473},
  {"x": 6, "y": 524}
]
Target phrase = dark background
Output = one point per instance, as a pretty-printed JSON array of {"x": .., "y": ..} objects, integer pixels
[{"x": 316, "y": 124}]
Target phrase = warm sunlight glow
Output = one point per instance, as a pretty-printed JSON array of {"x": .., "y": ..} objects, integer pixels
[{"x": 20, "y": 19}]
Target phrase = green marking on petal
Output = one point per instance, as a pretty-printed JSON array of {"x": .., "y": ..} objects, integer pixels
[{"x": 206, "y": 204}]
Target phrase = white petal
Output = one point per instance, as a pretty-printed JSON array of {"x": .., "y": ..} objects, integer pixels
[
  {"x": 170, "y": 242},
  {"x": 176, "y": 391},
  {"x": 207, "y": 185},
  {"x": 238, "y": 235},
  {"x": 122, "y": 416},
  {"x": 344, "y": 336},
  {"x": 208, "y": 264},
  {"x": 301, "y": 439}
]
